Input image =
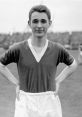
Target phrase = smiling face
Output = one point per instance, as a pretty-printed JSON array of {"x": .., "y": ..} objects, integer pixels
[{"x": 39, "y": 23}]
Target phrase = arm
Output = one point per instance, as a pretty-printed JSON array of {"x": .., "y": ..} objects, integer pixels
[
  {"x": 12, "y": 55},
  {"x": 68, "y": 70},
  {"x": 7, "y": 74}
]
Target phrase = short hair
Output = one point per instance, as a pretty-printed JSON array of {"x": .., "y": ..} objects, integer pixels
[{"x": 41, "y": 9}]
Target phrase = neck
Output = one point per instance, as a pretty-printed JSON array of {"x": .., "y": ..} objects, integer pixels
[{"x": 38, "y": 42}]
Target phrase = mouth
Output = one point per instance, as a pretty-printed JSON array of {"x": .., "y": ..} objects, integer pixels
[{"x": 39, "y": 31}]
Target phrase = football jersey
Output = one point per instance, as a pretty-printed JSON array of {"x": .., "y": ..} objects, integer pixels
[{"x": 36, "y": 76}]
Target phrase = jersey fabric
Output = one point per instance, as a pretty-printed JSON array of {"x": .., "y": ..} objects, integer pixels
[{"x": 36, "y": 76}]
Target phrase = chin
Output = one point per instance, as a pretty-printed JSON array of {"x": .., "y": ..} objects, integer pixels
[{"x": 39, "y": 35}]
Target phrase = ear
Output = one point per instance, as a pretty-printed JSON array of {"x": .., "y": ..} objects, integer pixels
[
  {"x": 50, "y": 22},
  {"x": 28, "y": 22}
]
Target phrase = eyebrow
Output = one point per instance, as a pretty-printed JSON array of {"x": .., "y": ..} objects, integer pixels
[{"x": 40, "y": 19}]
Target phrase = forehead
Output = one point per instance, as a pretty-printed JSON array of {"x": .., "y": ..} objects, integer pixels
[{"x": 38, "y": 15}]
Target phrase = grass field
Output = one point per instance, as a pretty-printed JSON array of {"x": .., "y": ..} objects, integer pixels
[{"x": 70, "y": 92}]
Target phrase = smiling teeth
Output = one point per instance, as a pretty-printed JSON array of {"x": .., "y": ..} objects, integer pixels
[{"x": 39, "y": 30}]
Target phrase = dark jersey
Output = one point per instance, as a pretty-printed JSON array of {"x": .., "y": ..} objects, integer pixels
[{"x": 36, "y": 76}]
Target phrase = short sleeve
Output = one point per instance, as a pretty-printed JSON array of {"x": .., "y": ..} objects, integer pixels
[
  {"x": 11, "y": 55},
  {"x": 64, "y": 56}
]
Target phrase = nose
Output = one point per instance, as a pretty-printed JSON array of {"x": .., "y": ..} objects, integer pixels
[{"x": 39, "y": 24}]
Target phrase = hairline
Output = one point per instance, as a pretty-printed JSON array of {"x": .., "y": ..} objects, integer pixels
[{"x": 40, "y": 9}]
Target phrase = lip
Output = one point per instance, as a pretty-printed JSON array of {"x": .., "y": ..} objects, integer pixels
[{"x": 39, "y": 31}]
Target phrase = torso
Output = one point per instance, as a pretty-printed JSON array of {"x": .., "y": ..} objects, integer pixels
[
  {"x": 39, "y": 76},
  {"x": 36, "y": 71}
]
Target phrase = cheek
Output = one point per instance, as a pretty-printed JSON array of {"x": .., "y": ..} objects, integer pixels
[
  {"x": 46, "y": 27},
  {"x": 32, "y": 27}
]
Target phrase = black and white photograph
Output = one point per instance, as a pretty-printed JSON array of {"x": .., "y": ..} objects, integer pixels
[{"x": 40, "y": 58}]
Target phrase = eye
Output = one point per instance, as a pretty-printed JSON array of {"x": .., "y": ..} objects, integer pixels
[
  {"x": 43, "y": 21},
  {"x": 35, "y": 21}
]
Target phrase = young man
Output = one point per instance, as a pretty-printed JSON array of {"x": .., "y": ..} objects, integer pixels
[{"x": 37, "y": 59}]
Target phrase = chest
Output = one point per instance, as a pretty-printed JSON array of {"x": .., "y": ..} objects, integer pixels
[{"x": 48, "y": 58}]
